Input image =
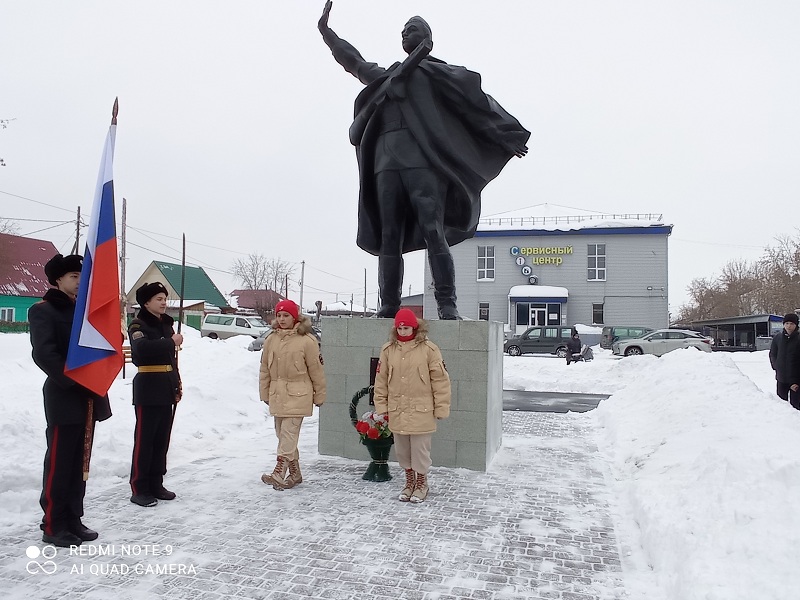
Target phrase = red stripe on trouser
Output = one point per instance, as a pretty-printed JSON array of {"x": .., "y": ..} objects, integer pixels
[
  {"x": 48, "y": 488},
  {"x": 137, "y": 447}
]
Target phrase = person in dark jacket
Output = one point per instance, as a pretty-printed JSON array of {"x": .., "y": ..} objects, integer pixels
[
  {"x": 65, "y": 406},
  {"x": 784, "y": 356},
  {"x": 156, "y": 390},
  {"x": 573, "y": 347}
]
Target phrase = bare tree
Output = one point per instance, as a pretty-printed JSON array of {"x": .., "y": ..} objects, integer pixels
[
  {"x": 780, "y": 270},
  {"x": 257, "y": 272},
  {"x": 280, "y": 271},
  {"x": 8, "y": 226},
  {"x": 3, "y": 125},
  {"x": 252, "y": 271},
  {"x": 769, "y": 285}
]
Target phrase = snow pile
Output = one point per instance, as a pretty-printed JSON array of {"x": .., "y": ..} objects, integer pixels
[
  {"x": 547, "y": 373},
  {"x": 709, "y": 466}
]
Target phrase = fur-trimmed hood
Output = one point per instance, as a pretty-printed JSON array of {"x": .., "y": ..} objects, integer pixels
[{"x": 301, "y": 327}]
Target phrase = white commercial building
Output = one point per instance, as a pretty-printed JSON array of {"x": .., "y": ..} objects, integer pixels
[{"x": 590, "y": 268}]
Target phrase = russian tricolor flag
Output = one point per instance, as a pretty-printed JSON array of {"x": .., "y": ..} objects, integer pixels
[{"x": 94, "y": 357}]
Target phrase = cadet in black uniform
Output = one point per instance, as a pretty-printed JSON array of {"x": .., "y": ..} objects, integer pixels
[
  {"x": 156, "y": 389},
  {"x": 65, "y": 405}
]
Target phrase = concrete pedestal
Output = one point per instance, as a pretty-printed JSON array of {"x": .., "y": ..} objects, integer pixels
[{"x": 473, "y": 354}]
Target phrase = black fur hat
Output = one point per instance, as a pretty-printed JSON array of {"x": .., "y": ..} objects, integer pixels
[
  {"x": 148, "y": 290},
  {"x": 59, "y": 265}
]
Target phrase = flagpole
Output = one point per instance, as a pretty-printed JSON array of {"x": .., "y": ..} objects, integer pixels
[
  {"x": 180, "y": 324},
  {"x": 88, "y": 431},
  {"x": 183, "y": 282}
]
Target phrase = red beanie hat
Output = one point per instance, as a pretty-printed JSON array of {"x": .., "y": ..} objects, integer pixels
[
  {"x": 289, "y": 307},
  {"x": 405, "y": 316}
]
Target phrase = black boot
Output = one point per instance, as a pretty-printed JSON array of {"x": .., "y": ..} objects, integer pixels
[
  {"x": 390, "y": 282},
  {"x": 82, "y": 531},
  {"x": 162, "y": 493},
  {"x": 62, "y": 539},
  {"x": 444, "y": 287}
]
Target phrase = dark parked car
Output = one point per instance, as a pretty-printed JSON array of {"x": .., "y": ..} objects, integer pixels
[
  {"x": 615, "y": 334},
  {"x": 548, "y": 339}
]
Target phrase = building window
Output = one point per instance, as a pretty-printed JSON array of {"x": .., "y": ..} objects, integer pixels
[
  {"x": 597, "y": 314},
  {"x": 483, "y": 311},
  {"x": 596, "y": 262},
  {"x": 485, "y": 263},
  {"x": 6, "y": 314}
]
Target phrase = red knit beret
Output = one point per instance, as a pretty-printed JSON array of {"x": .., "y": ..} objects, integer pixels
[
  {"x": 406, "y": 317},
  {"x": 289, "y": 307}
]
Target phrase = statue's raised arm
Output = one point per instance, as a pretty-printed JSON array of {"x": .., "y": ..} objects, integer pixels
[
  {"x": 322, "y": 25},
  {"x": 345, "y": 54}
]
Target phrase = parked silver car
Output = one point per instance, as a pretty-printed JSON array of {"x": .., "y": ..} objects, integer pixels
[
  {"x": 258, "y": 343},
  {"x": 661, "y": 341}
]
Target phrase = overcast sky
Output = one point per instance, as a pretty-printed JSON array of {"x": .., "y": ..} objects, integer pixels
[{"x": 233, "y": 122}]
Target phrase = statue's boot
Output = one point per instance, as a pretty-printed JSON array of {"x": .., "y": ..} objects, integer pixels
[
  {"x": 390, "y": 282},
  {"x": 444, "y": 287}
]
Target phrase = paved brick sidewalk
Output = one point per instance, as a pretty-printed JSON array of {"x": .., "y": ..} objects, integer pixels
[{"x": 538, "y": 526}]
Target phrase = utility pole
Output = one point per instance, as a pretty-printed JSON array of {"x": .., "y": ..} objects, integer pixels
[
  {"x": 302, "y": 281},
  {"x": 365, "y": 292},
  {"x": 123, "y": 298},
  {"x": 77, "y": 233}
]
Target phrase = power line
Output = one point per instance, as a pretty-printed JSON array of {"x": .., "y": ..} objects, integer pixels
[
  {"x": 196, "y": 243},
  {"x": 166, "y": 246},
  {"x": 198, "y": 262},
  {"x": 34, "y": 220},
  {"x": 139, "y": 230},
  {"x": 46, "y": 228},
  {"x": 331, "y": 274},
  {"x": 35, "y": 201}
]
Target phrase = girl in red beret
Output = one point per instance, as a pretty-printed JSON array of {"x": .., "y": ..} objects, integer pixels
[
  {"x": 291, "y": 382},
  {"x": 412, "y": 387}
]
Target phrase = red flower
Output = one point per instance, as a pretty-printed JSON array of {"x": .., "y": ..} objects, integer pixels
[
  {"x": 373, "y": 433},
  {"x": 362, "y": 427}
]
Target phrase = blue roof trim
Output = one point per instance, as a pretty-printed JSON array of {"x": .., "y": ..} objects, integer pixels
[
  {"x": 537, "y": 299},
  {"x": 597, "y": 231}
]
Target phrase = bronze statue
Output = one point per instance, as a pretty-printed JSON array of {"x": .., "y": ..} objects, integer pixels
[{"x": 428, "y": 140}]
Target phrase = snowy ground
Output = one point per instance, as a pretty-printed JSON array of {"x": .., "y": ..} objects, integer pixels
[{"x": 704, "y": 458}]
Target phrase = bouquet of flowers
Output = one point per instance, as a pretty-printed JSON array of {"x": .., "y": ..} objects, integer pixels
[{"x": 373, "y": 426}]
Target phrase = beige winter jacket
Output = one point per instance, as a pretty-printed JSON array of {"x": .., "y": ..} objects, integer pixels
[
  {"x": 412, "y": 385},
  {"x": 291, "y": 377}
]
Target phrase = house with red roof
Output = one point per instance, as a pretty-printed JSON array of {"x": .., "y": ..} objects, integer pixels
[
  {"x": 22, "y": 278},
  {"x": 261, "y": 301}
]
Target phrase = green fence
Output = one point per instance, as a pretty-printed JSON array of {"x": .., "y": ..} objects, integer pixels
[{"x": 14, "y": 327}]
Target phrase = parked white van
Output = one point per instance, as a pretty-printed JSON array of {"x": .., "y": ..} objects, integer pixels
[{"x": 225, "y": 326}]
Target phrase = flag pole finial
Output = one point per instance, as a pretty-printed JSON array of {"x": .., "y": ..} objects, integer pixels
[{"x": 114, "y": 111}]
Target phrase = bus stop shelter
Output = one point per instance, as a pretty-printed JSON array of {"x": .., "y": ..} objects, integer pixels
[{"x": 748, "y": 333}]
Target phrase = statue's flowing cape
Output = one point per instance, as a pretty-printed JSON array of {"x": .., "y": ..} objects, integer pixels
[{"x": 459, "y": 128}]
